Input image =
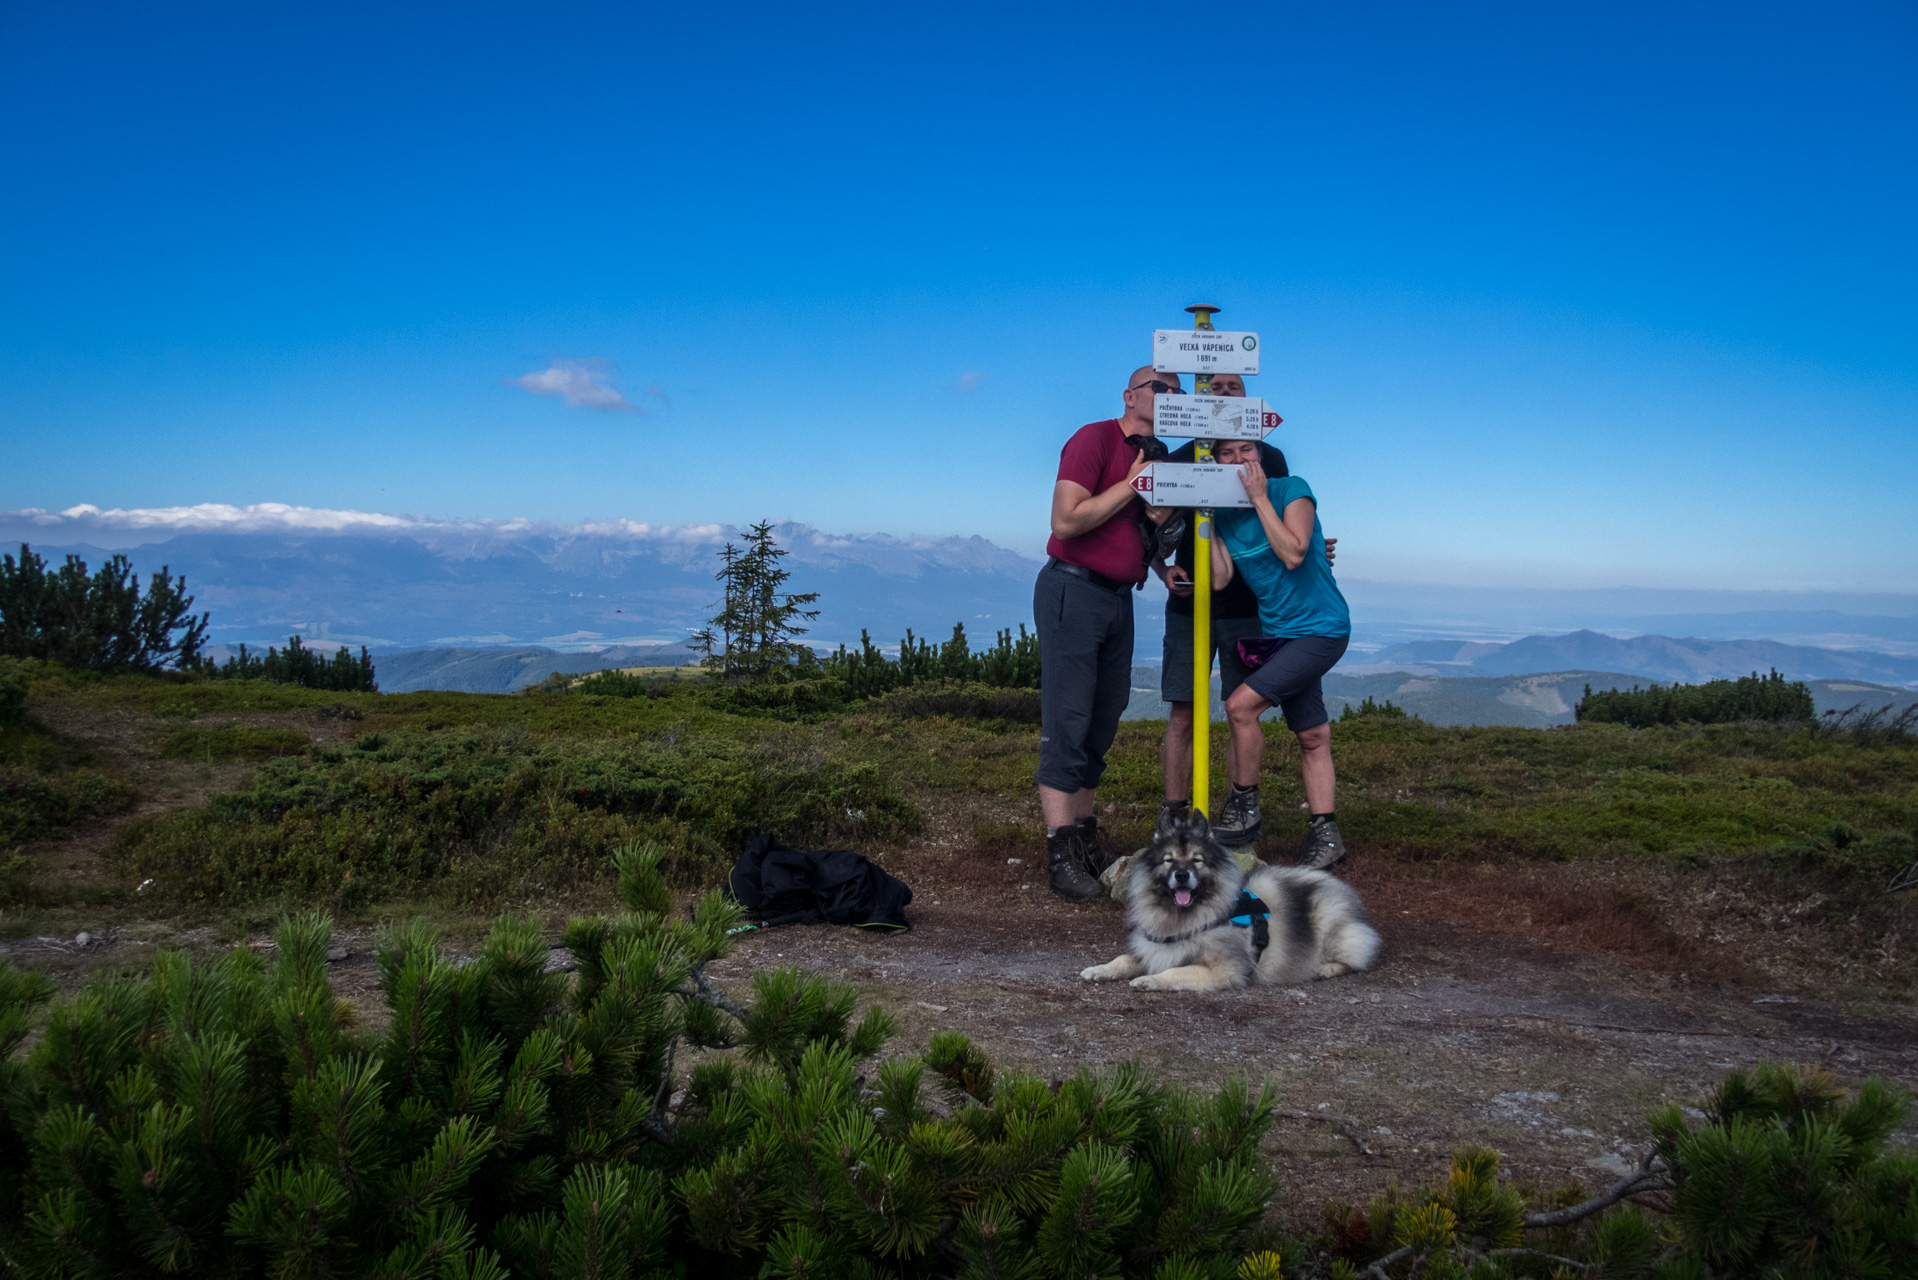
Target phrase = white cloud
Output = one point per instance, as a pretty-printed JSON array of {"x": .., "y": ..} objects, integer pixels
[
  {"x": 221, "y": 516},
  {"x": 583, "y": 384},
  {"x": 87, "y": 520},
  {"x": 967, "y": 383}
]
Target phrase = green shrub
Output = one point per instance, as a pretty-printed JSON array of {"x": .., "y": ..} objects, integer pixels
[
  {"x": 1386, "y": 710},
  {"x": 475, "y": 814},
  {"x": 1789, "y": 1176},
  {"x": 610, "y": 684},
  {"x": 34, "y": 806},
  {"x": 867, "y": 672},
  {"x": 14, "y": 679},
  {"x": 99, "y": 621},
  {"x": 232, "y": 742},
  {"x": 299, "y": 665},
  {"x": 1752, "y": 697},
  {"x": 962, "y": 700},
  {"x": 1838, "y": 847},
  {"x": 782, "y": 700}
]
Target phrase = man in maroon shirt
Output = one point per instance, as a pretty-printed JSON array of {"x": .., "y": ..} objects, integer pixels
[{"x": 1082, "y": 605}]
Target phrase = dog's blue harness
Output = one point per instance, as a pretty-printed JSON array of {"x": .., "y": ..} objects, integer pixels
[{"x": 1253, "y": 914}]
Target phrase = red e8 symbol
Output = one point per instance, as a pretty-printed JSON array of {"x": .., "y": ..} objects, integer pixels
[
  {"x": 1143, "y": 484},
  {"x": 1272, "y": 420}
]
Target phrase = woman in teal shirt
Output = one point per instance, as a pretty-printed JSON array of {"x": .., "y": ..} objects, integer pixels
[{"x": 1279, "y": 549}]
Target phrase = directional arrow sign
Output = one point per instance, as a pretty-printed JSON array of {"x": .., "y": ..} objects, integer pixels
[
  {"x": 1212, "y": 417},
  {"x": 1191, "y": 484},
  {"x": 1204, "y": 351}
]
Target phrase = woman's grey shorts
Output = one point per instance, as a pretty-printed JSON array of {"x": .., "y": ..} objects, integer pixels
[{"x": 1290, "y": 678}]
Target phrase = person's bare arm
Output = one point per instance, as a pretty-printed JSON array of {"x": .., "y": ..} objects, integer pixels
[
  {"x": 1077, "y": 510},
  {"x": 1177, "y": 581},
  {"x": 1290, "y": 534},
  {"x": 1222, "y": 569}
]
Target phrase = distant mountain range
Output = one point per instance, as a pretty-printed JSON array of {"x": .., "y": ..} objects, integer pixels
[
  {"x": 391, "y": 582},
  {"x": 400, "y": 583},
  {"x": 507, "y": 670},
  {"x": 1650, "y": 657}
]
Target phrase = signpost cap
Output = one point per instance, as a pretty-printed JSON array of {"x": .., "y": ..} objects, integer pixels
[{"x": 1202, "y": 315}]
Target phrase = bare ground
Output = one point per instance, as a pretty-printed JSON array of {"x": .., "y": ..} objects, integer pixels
[{"x": 1481, "y": 1023}]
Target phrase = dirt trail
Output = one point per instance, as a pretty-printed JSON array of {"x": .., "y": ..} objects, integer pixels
[{"x": 1462, "y": 1033}]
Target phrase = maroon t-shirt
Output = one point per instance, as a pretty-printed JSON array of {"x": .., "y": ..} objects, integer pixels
[{"x": 1096, "y": 458}]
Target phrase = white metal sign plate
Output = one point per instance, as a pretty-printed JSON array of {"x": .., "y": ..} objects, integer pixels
[
  {"x": 1212, "y": 417},
  {"x": 1191, "y": 484},
  {"x": 1204, "y": 351}
]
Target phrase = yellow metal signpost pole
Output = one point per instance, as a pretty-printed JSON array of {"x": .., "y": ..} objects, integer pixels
[{"x": 1202, "y": 609}]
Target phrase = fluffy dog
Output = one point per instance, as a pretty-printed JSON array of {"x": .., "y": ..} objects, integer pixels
[{"x": 1181, "y": 900}]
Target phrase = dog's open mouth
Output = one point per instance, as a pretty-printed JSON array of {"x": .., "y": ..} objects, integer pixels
[{"x": 1183, "y": 897}]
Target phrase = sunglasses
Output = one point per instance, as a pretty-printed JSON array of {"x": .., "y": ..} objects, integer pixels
[{"x": 1156, "y": 387}]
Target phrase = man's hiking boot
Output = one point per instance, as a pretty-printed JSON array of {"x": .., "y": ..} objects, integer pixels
[
  {"x": 1238, "y": 818},
  {"x": 1324, "y": 847},
  {"x": 1066, "y": 866},
  {"x": 1097, "y": 856}
]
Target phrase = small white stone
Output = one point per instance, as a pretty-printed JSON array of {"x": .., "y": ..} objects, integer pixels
[
  {"x": 336, "y": 954},
  {"x": 83, "y": 939},
  {"x": 1013, "y": 862}
]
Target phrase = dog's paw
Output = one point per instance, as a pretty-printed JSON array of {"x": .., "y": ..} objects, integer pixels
[
  {"x": 1332, "y": 969},
  {"x": 1093, "y": 973},
  {"x": 1146, "y": 982}
]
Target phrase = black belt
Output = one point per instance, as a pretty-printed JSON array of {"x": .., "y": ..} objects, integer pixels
[{"x": 1080, "y": 571}]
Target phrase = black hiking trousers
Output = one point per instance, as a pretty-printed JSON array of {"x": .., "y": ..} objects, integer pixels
[{"x": 1085, "y": 672}]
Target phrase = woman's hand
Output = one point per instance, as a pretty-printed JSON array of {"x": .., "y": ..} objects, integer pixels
[
  {"x": 1177, "y": 580},
  {"x": 1252, "y": 476}
]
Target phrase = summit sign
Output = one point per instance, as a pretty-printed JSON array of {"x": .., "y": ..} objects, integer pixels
[{"x": 1204, "y": 351}]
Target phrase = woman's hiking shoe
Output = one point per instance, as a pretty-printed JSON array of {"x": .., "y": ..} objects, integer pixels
[
  {"x": 1324, "y": 847},
  {"x": 1238, "y": 818},
  {"x": 1066, "y": 866}
]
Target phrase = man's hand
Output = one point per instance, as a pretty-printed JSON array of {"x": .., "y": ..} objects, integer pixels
[
  {"x": 1331, "y": 550},
  {"x": 1138, "y": 464},
  {"x": 1177, "y": 580}
]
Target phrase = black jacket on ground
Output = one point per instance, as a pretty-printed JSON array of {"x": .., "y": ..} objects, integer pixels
[{"x": 779, "y": 885}]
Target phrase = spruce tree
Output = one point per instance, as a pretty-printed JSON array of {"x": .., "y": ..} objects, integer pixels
[{"x": 758, "y": 623}]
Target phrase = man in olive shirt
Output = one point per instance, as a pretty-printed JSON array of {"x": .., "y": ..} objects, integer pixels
[{"x": 1235, "y": 617}]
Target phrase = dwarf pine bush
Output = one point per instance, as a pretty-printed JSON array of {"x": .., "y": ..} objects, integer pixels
[
  {"x": 229, "y": 1117},
  {"x": 1752, "y": 697}
]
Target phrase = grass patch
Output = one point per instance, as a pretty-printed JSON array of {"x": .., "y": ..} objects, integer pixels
[
  {"x": 49, "y": 783},
  {"x": 476, "y": 798},
  {"x": 478, "y": 813},
  {"x": 232, "y": 742}
]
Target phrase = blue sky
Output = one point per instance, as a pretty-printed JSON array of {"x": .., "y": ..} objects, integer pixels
[{"x": 1551, "y": 295}]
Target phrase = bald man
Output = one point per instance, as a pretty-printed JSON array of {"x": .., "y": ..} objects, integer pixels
[{"x": 1082, "y": 605}]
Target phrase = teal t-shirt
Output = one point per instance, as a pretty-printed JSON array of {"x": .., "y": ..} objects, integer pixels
[{"x": 1292, "y": 602}]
